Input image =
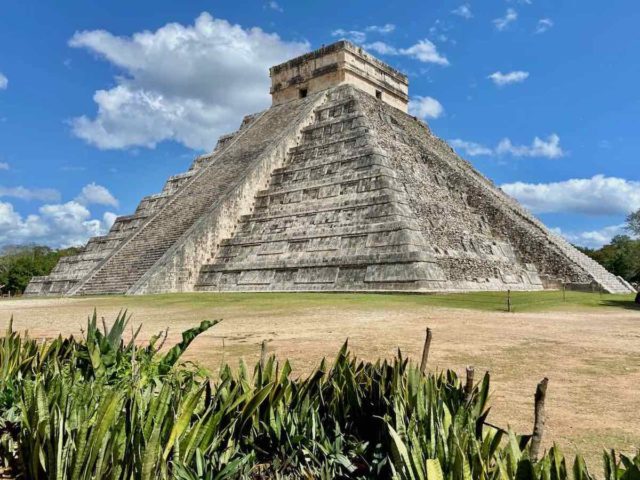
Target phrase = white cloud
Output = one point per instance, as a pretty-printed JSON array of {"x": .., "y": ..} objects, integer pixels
[
  {"x": 189, "y": 83},
  {"x": 4, "y": 166},
  {"x": 273, "y": 5},
  {"x": 539, "y": 148},
  {"x": 58, "y": 225},
  {"x": 383, "y": 29},
  {"x": 598, "y": 195},
  {"x": 424, "y": 51},
  {"x": 544, "y": 24},
  {"x": 93, "y": 194},
  {"x": 593, "y": 238},
  {"x": 382, "y": 48},
  {"x": 42, "y": 194},
  {"x": 425, "y": 107},
  {"x": 502, "y": 79},
  {"x": 502, "y": 23},
  {"x": 4, "y": 82},
  {"x": 108, "y": 219},
  {"x": 463, "y": 11},
  {"x": 471, "y": 149},
  {"x": 354, "y": 36}
]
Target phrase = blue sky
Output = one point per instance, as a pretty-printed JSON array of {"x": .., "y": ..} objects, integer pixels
[{"x": 101, "y": 101}]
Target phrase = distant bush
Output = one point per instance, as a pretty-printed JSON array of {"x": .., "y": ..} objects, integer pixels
[
  {"x": 103, "y": 408},
  {"x": 19, "y": 264}
]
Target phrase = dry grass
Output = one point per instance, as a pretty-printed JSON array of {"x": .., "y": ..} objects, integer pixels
[{"x": 590, "y": 354}]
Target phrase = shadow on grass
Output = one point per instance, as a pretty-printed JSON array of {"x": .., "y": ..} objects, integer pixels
[{"x": 626, "y": 304}]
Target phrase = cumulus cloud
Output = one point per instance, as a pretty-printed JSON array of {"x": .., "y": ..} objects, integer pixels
[
  {"x": 4, "y": 82},
  {"x": 424, "y": 51},
  {"x": 470, "y": 149},
  {"x": 56, "y": 225},
  {"x": 4, "y": 166},
  {"x": 502, "y": 23},
  {"x": 425, "y": 107},
  {"x": 93, "y": 194},
  {"x": 463, "y": 11},
  {"x": 509, "y": 78},
  {"x": 594, "y": 196},
  {"x": 41, "y": 194},
  {"x": 186, "y": 83},
  {"x": 593, "y": 238},
  {"x": 549, "y": 148},
  {"x": 543, "y": 25},
  {"x": 382, "y": 48}
]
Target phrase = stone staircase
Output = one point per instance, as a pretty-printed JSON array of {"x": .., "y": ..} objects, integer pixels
[
  {"x": 140, "y": 252},
  {"x": 334, "y": 217}
]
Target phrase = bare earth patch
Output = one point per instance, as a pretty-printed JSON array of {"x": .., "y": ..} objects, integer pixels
[{"x": 591, "y": 356}]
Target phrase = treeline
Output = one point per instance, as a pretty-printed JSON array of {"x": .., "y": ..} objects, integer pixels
[
  {"x": 622, "y": 256},
  {"x": 19, "y": 264}
]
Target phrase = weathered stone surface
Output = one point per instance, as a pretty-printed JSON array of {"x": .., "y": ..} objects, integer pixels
[{"x": 336, "y": 191}]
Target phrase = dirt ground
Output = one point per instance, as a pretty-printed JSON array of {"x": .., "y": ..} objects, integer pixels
[{"x": 591, "y": 356}]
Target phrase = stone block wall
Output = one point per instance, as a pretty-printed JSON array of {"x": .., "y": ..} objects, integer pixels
[{"x": 337, "y": 216}]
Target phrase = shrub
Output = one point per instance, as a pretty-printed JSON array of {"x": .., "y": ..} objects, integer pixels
[{"x": 100, "y": 407}]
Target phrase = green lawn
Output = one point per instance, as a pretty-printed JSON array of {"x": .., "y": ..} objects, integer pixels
[{"x": 290, "y": 302}]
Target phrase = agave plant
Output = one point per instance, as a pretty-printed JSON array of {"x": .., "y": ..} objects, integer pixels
[{"x": 100, "y": 407}]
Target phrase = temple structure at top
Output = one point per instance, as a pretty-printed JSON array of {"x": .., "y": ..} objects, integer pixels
[{"x": 341, "y": 63}]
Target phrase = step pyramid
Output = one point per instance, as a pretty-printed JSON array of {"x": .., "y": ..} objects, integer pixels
[{"x": 333, "y": 188}]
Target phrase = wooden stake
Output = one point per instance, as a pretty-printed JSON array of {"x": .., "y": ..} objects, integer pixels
[
  {"x": 425, "y": 351},
  {"x": 509, "y": 301},
  {"x": 263, "y": 354},
  {"x": 468, "y": 388},
  {"x": 539, "y": 419}
]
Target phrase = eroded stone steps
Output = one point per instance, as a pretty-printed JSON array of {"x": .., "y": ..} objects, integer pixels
[
  {"x": 329, "y": 174},
  {"x": 328, "y": 182},
  {"x": 141, "y": 251},
  {"x": 296, "y": 221},
  {"x": 323, "y": 230}
]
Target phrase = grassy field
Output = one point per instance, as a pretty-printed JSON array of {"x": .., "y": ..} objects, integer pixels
[
  {"x": 587, "y": 344},
  {"x": 483, "y": 301}
]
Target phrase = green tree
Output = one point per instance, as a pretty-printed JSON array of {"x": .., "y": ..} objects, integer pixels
[
  {"x": 19, "y": 264},
  {"x": 621, "y": 257},
  {"x": 633, "y": 223}
]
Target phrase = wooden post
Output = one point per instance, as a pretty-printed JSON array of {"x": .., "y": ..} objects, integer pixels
[
  {"x": 425, "y": 351},
  {"x": 468, "y": 388},
  {"x": 263, "y": 354},
  {"x": 509, "y": 300},
  {"x": 539, "y": 419}
]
